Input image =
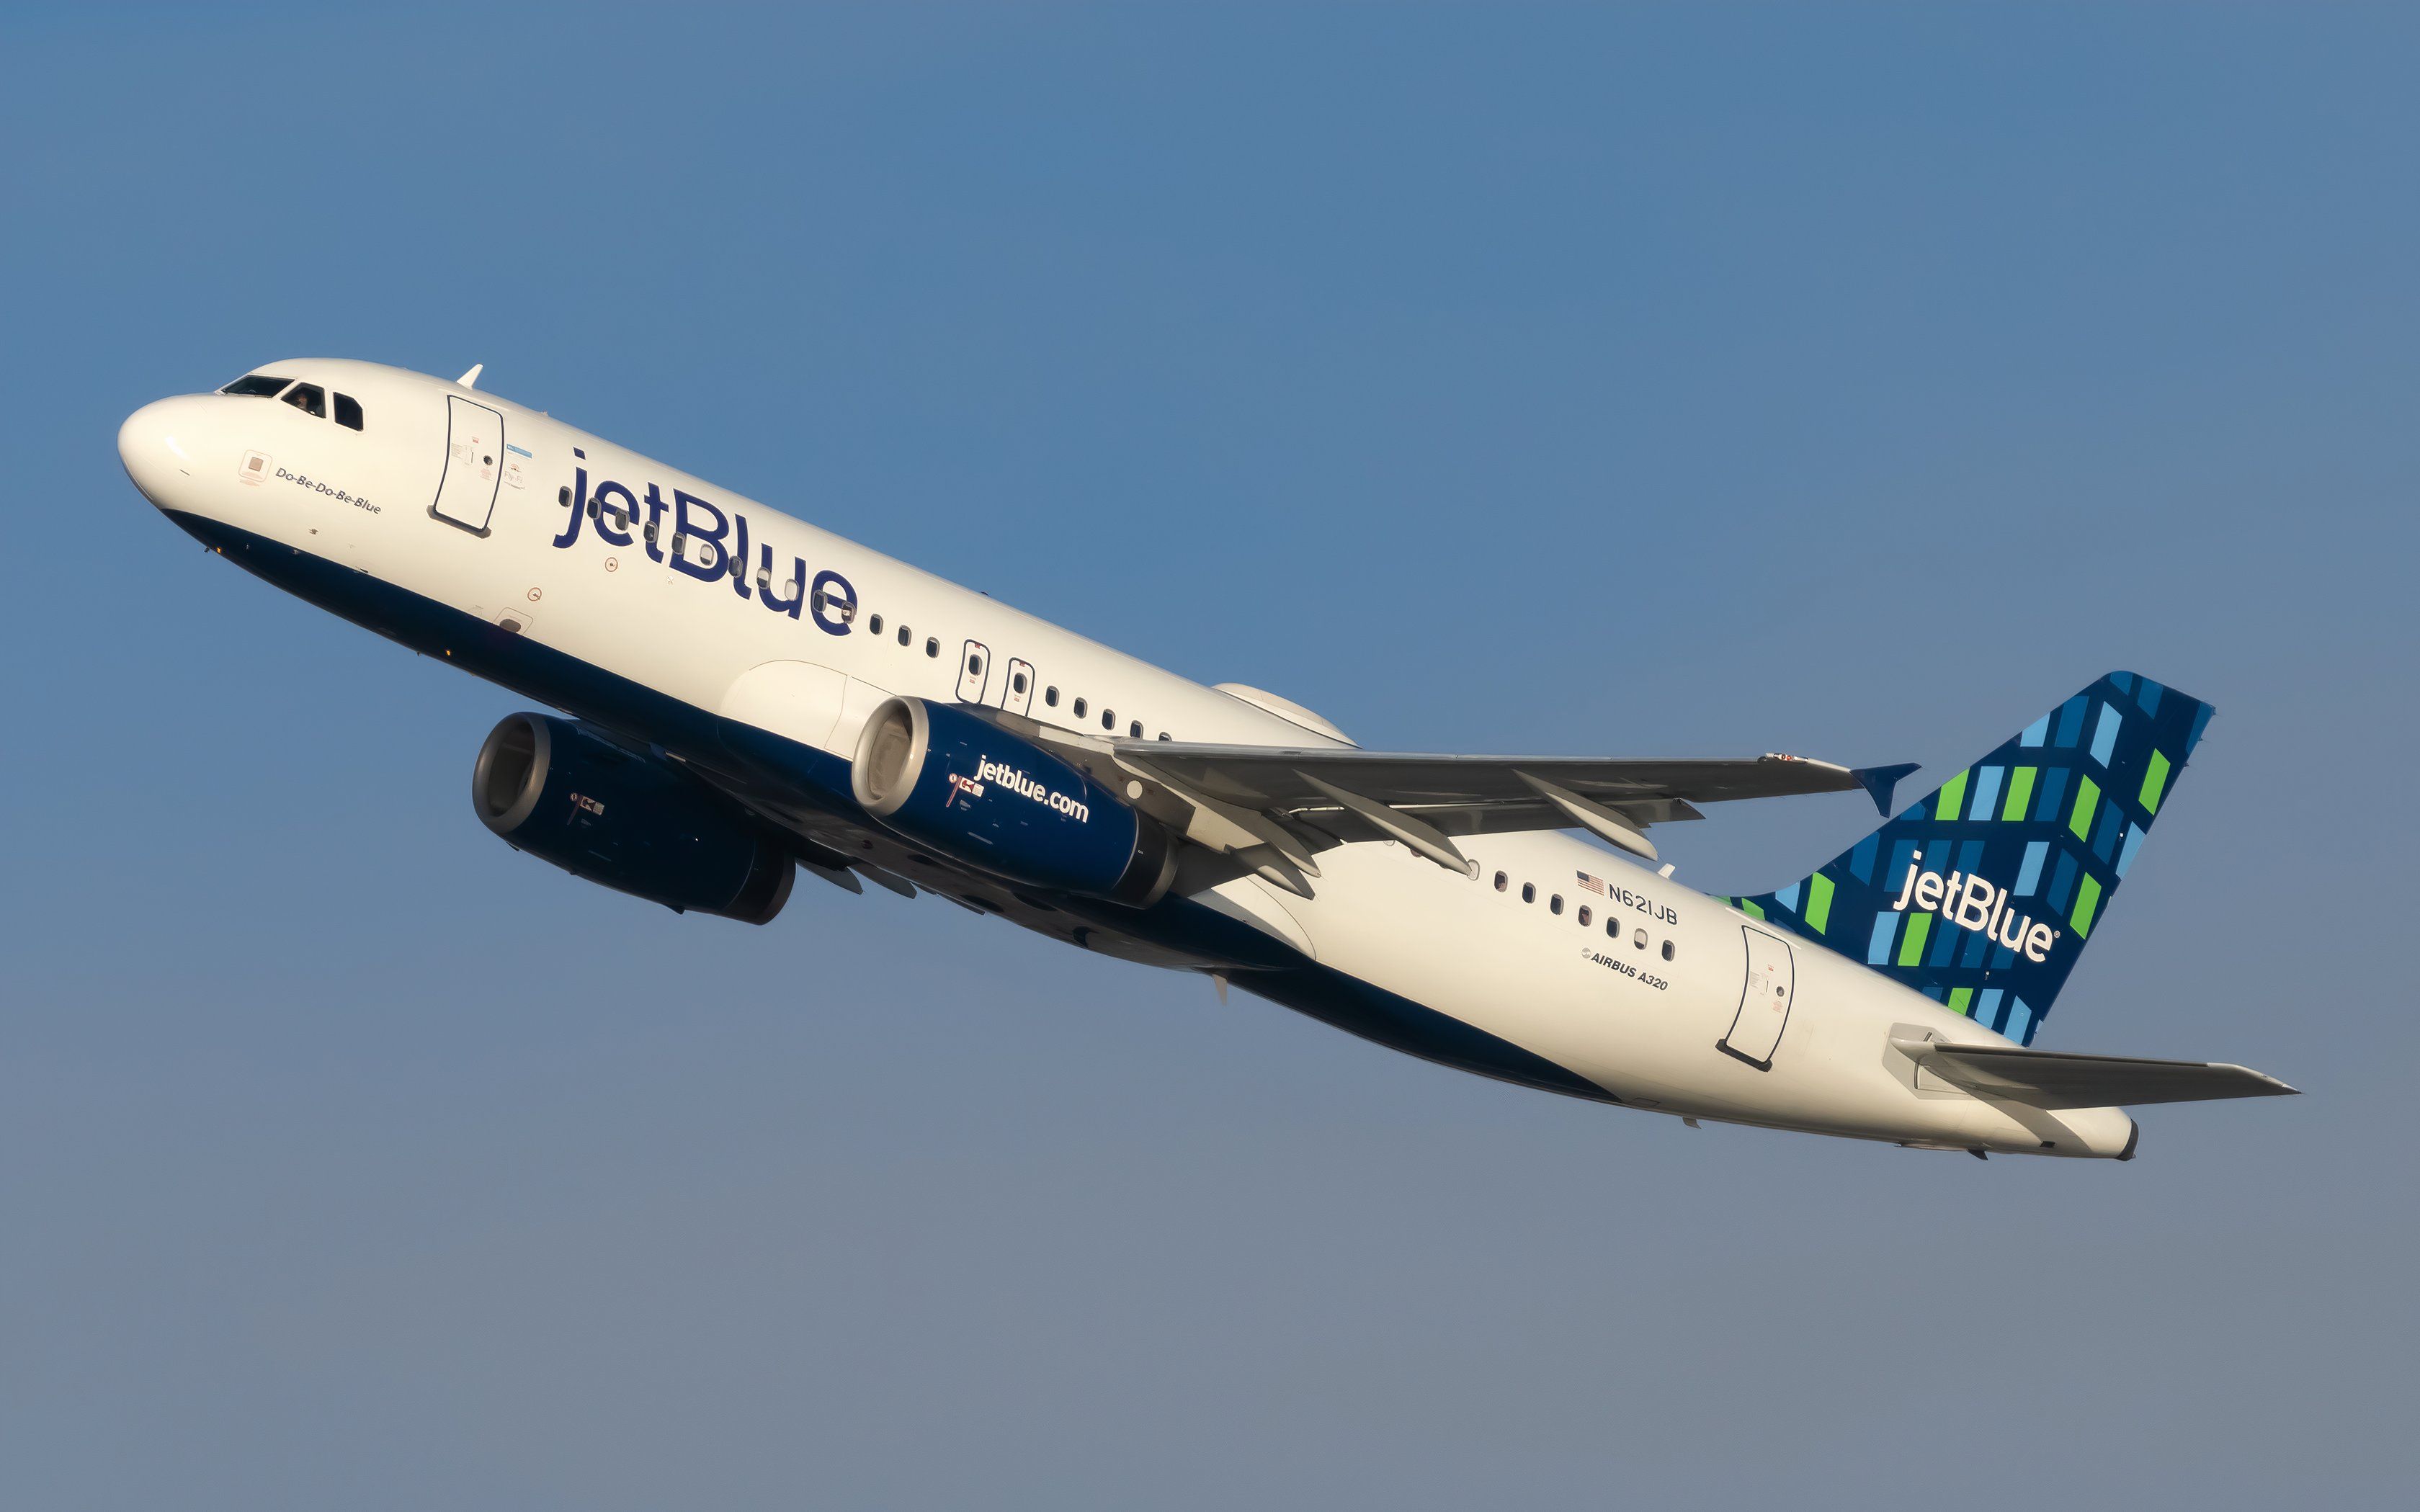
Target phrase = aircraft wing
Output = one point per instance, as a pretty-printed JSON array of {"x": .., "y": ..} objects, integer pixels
[
  {"x": 1274, "y": 807},
  {"x": 1478, "y": 795},
  {"x": 2052, "y": 1079}
]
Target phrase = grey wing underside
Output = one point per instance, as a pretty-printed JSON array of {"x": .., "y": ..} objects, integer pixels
[
  {"x": 1273, "y": 808},
  {"x": 1477, "y": 795}
]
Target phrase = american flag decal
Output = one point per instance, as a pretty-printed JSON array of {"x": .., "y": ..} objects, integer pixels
[{"x": 1594, "y": 885}]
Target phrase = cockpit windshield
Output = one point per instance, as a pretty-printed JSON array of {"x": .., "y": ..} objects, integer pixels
[{"x": 308, "y": 398}]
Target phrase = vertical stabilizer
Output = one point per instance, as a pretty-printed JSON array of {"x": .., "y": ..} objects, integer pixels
[{"x": 1982, "y": 896}]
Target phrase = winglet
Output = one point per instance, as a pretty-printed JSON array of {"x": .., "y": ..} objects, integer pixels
[
  {"x": 1878, "y": 782},
  {"x": 471, "y": 379}
]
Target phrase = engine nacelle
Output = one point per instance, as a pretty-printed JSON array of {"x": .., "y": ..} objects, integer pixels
[
  {"x": 635, "y": 823},
  {"x": 1001, "y": 804}
]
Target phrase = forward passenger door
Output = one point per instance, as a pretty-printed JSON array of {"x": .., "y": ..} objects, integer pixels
[{"x": 474, "y": 456}]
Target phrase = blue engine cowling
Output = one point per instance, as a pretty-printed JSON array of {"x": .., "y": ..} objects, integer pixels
[
  {"x": 632, "y": 821},
  {"x": 998, "y": 803}
]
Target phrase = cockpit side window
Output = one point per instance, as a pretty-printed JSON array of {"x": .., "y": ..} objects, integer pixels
[
  {"x": 349, "y": 411},
  {"x": 257, "y": 385},
  {"x": 310, "y": 398}
]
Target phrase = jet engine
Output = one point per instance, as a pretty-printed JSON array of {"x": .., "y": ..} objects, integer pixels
[
  {"x": 1001, "y": 804},
  {"x": 630, "y": 820}
]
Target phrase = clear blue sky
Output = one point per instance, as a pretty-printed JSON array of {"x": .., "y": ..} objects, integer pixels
[{"x": 1684, "y": 380}]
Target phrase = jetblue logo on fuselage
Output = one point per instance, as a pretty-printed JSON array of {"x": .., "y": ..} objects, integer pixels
[
  {"x": 1975, "y": 905},
  {"x": 701, "y": 529},
  {"x": 990, "y": 771}
]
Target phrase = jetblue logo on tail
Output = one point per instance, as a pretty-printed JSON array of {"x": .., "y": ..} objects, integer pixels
[
  {"x": 1977, "y": 907},
  {"x": 2018, "y": 853}
]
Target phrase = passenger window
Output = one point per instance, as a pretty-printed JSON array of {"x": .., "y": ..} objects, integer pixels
[
  {"x": 1109, "y": 718},
  {"x": 562, "y": 497},
  {"x": 873, "y": 625},
  {"x": 903, "y": 635},
  {"x": 310, "y": 398},
  {"x": 974, "y": 665},
  {"x": 257, "y": 386},
  {"x": 932, "y": 647},
  {"x": 1018, "y": 681},
  {"x": 1529, "y": 892},
  {"x": 1079, "y": 708},
  {"x": 1639, "y": 939},
  {"x": 1050, "y": 696},
  {"x": 1584, "y": 915},
  {"x": 1668, "y": 949},
  {"x": 349, "y": 411},
  {"x": 1499, "y": 881},
  {"x": 1163, "y": 734},
  {"x": 1613, "y": 929},
  {"x": 1554, "y": 905},
  {"x": 1135, "y": 730}
]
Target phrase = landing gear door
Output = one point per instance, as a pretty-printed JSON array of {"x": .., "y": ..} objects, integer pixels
[
  {"x": 974, "y": 673},
  {"x": 1764, "y": 1001},
  {"x": 1018, "y": 696},
  {"x": 474, "y": 456}
]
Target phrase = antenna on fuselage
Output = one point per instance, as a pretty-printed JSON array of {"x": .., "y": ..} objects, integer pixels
[{"x": 471, "y": 379}]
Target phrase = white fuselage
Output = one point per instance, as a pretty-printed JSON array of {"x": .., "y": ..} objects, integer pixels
[{"x": 1632, "y": 1001}]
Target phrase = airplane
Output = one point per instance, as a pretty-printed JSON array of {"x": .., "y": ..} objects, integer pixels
[{"x": 741, "y": 697}]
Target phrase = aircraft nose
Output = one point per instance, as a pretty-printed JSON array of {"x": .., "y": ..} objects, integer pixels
[{"x": 147, "y": 445}]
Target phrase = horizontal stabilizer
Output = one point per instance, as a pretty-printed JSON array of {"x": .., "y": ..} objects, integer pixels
[{"x": 2054, "y": 1079}]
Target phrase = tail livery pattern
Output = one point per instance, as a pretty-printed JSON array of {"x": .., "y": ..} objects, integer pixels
[{"x": 1982, "y": 896}]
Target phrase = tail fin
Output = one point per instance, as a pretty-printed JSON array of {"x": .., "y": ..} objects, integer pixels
[{"x": 1982, "y": 896}]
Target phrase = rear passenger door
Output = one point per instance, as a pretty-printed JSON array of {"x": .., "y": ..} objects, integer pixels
[
  {"x": 474, "y": 453},
  {"x": 1764, "y": 1001}
]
